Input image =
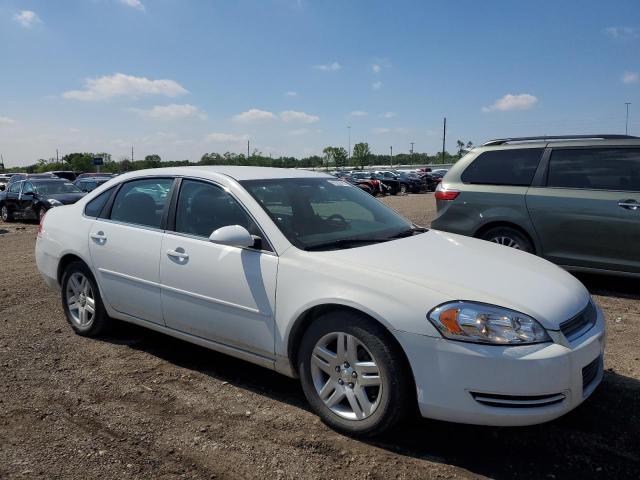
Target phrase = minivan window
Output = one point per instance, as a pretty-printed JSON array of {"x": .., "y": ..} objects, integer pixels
[
  {"x": 595, "y": 168},
  {"x": 142, "y": 202},
  {"x": 203, "y": 208},
  {"x": 514, "y": 167}
]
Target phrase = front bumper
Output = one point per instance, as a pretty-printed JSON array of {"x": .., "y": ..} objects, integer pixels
[{"x": 503, "y": 386}]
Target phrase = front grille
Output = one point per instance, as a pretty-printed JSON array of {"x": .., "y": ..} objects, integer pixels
[
  {"x": 517, "y": 401},
  {"x": 581, "y": 323},
  {"x": 590, "y": 372}
]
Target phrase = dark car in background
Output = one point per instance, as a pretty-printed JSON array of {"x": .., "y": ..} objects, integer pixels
[
  {"x": 574, "y": 200},
  {"x": 65, "y": 174},
  {"x": 30, "y": 199},
  {"x": 88, "y": 184}
]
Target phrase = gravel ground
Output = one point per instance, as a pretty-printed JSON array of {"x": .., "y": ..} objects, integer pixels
[{"x": 137, "y": 404}]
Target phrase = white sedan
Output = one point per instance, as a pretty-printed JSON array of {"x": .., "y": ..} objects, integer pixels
[{"x": 308, "y": 275}]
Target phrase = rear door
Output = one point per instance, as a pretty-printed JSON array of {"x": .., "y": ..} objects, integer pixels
[
  {"x": 125, "y": 248},
  {"x": 26, "y": 201},
  {"x": 587, "y": 212},
  {"x": 13, "y": 194}
]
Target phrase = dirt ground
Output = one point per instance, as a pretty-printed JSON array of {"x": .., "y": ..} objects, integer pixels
[{"x": 137, "y": 404}]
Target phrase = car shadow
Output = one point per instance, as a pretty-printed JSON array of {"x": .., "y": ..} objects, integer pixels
[
  {"x": 611, "y": 286},
  {"x": 599, "y": 439}
]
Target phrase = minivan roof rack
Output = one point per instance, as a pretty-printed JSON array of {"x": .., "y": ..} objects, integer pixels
[{"x": 502, "y": 141}]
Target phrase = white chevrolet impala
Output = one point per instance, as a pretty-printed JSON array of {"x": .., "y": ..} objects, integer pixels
[{"x": 310, "y": 276}]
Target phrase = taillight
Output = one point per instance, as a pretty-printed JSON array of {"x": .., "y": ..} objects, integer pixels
[
  {"x": 41, "y": 224},
  {"x": 442, "y": 194}
]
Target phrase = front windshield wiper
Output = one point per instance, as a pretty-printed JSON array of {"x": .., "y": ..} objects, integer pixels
[
  {"x": 409, "y": 232},
  {"x": 344, "y": 243}
]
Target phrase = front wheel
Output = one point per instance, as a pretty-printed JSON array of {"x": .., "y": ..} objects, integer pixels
[
  {"x": 509, "y": 237},
  {"x": 353, "y": 374},
  {"x": 81, "y": 301},
  {"x": 404, "y": 189},
  {"x": 5, "y": 214}
]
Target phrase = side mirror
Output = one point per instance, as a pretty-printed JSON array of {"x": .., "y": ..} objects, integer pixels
[{"x": 232, "y": 235}]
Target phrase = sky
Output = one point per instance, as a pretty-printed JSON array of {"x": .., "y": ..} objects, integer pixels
[{"x": 183, "y": 77}]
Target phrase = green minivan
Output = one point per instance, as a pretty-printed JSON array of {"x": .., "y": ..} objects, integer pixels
[{"x": 574, "y": 200}]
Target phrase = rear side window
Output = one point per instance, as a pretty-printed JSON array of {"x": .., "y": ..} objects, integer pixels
[
  {"x": 95, "y": 206},
  {"x": 595, "y": 169},
  {"x": 504, "y": 167},
  {"x": 141, "y": 202}
]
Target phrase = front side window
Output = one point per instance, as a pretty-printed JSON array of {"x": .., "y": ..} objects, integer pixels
[
  {"x": 515, "y": 167},
  {"x": 28, "y": 188},
  {"x": 203, "y": 208},
  {"x": 595, "y": 168},
  {"x": 15, "y": 187},
  {"x": 317, "y": 213},
  {"x": 142, "y": 202},
  {"x": 55, "y": 187}
]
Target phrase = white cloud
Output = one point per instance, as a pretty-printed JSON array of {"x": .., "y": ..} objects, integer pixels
[
  {"x": 331, "y": 67},
  {"x": 216, "y": 137},
  {"x": 622, "y": 33},
  {"x": 121, "y": 85},
  {"x": 172, "y": 112},
  {"x": 293, "y": 116},
  {"x": 522, "y": 101},
  {"x": 6, "y": 121},
  {"x": 376, "y": 85},
  {"x": 375, "y": 68},
  {"x": 137, "y": 4},
  {"x": 389, "y": 114},
  {"x": 358, "y": 113},
  {"x": 630, "y": 77},
  {"x": 27, "y": 18},
  {"x": 381, "y": 130},
  {"x": 291, "y": 94},
  {"x": 300, "y": 131},
  {"x": 254, "y": 115}
]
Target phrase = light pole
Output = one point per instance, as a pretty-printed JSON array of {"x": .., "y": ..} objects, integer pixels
[
  {"x": 626, "y": 123},
  {"x": 349, "y": 151},
  {"x": 412, "y": 153},
  {"x": 391, "y": 157}
]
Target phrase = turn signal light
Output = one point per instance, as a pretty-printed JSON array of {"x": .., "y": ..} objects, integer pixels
[{"x": 446, "y": 194}]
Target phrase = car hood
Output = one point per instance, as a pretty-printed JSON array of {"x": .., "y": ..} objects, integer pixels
[
  {"x": 65, "y": 198},
  {"x": 465, "y": 268}
]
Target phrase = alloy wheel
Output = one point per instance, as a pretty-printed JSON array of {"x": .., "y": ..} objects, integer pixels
[
  {"x": 4, "y": 213},
  {"x": 507, "y": 242},
  {"x": 346, "y": 376},
  {"x": 80, "y": 300}
]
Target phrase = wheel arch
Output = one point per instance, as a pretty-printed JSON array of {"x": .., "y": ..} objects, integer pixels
[
  {"x": 65, "y": 261},
  {"x": 503, "y": 223}
]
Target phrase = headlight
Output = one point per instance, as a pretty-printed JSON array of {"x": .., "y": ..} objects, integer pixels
[
  {"x": 482, "y": 323},
  {"x": 54, "y": 203}
]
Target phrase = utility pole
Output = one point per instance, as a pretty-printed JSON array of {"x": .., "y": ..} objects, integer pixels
[
  {"x": 626, "y": 124},
  {"x": 131, "y": 153},
  {"x": 411, "y": 153},
  {"x": 444, "y": 137},
  {"x": 57, "y": 159},
  {"x": 391, "y": 157},
  {"x": 349, "y": 151},
  {"x": 247, "y": 151}
]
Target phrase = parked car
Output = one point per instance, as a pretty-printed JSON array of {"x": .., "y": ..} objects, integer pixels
[
  {"x": 88, "y": 184},
  {"x": 366, "y": 186},
  {"x": 376, "y": 186},
  {"x": 404, "y": 183},
  {"x": 30, "y": 199},
  {"x": 95, "y": 174},
  {"x": 431, "y": 180},
  {"x": 4, "y": 179},
  {"x": 572, "y": 200},
  {"x": 66, "y": 174},
  {"x": 18, "y": 177},
  {"x": 372, "y": 326}
]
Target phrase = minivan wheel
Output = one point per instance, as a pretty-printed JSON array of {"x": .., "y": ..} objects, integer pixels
[
  {"x": 353, "y": 374},
  {"x": 509, "y": 237},
  {"x": 4, "y": 213},
  {"x": 81, "y": 301}
]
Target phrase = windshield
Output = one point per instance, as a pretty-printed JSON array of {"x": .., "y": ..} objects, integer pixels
[
  {"x": 56, "y": 187},
  {"x": 317, "y": 213}
]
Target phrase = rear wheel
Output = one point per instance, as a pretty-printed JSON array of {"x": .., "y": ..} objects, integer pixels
[
  {"x": 81, "y": 301},
  {"x": 353, "y": 374},
  {"x": 5, "y": 214},
  {"x": 509, "y": 237},
  {"x": 404, "y": 189}
]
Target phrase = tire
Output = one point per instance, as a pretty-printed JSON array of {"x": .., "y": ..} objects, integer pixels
[
  {"x": 78, "y": 281},
  {"x": 387, "y": 397},
  {"x": 404, "y": 189},
  {"x": 509, "y": 237},
  {"x": 5, "y": 214}
]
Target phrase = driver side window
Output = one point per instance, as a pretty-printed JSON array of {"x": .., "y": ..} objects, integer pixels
[
  {"x": 203, "y": 208},
  {"x": 28, "y": 188}
]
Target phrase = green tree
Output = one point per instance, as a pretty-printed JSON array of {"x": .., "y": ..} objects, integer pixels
[
  {"x": 361, "y": 154},
  {"x": 153, "y": 160},
  {"x": 336, "y": 156}
]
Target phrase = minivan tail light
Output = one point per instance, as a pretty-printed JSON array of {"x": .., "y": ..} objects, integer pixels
[{"x": 442, "y": 194}]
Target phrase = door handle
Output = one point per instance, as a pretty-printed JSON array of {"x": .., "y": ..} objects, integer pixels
[
  {"x": 177, "y": 254},
  {"x": 98, "y": 237},
  {"x": 629, "y": 204}
]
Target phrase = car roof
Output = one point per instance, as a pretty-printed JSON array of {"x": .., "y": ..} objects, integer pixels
[{"x": 238, "y": 173}]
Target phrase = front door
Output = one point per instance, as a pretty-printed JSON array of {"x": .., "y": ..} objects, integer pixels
[
  {"x": 125, "y": 248},
  {"x": 588, "y": 215},
  {"x": 221, "y": 293}
]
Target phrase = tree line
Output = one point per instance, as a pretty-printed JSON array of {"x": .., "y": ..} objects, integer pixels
[{"x": 333, "y": 157}]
